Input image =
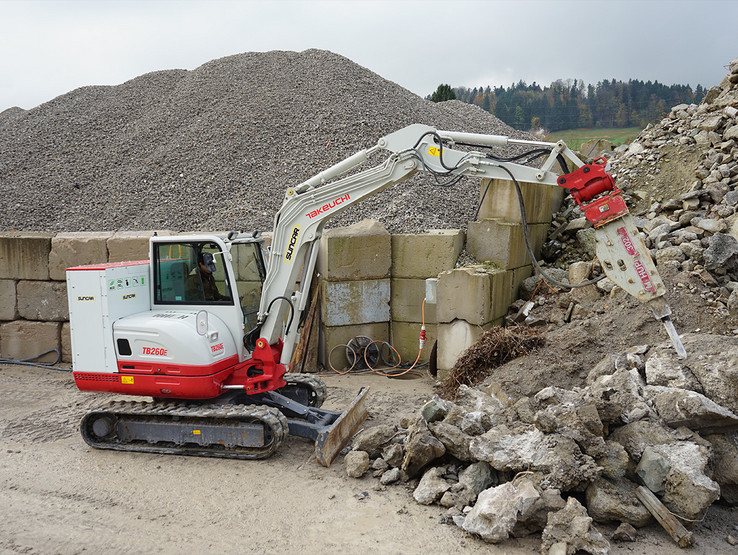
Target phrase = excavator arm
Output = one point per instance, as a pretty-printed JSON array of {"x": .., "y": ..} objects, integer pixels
[{"x": 307, "y": 207}]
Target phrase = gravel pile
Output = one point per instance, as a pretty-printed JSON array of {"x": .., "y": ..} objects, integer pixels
[{"x": 215, "y": 148}]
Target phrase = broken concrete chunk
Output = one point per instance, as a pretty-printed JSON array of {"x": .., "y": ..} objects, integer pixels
[
  {"x": 688, "y": 491},
  {"x": 615, "y": 461},
  {"x": 496, "y": 511},
  {"x": 670, "y": 372},
  {"x": 714, "y": 364},
  {"x": 576, "y": 421},
  {"x": 357, "y": 463},
  {"x": 572, "y": 526},
  {"x": 652, "y": 470},
  {"x": 625, "y": 533},
  {"x": 725, "y": 465},
  {"x": 472, "y": 399},
  {"x": 432, "y": 486},
  {"x": 616, "y": 501},
  {"x": 636, "y": 437},
  {"x": 421, "y": 448},
  {"x": 536, "y": 517},
  {"x": 475, "y": 423},
  {"x": 436, "y": 409},
  {"x": 454, "y": 440},
  {"x": 393, "y": 454},
  {"x": 372, "y": 440},
  {"x": 390, "y": 476},
  {"x": 619, "y": 397},
  {"x": 679, "y": 407},
  {"x": 557, "y": 460}
]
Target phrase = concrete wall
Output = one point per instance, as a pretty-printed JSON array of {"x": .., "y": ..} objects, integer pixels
[
  {"x": 34, "y": 310},
  {"x": 372, "y": 283}
]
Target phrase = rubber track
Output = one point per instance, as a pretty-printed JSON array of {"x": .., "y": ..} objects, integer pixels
[
  {"x": 316, "y": 385},
  {"x": 274, "y": 420}
]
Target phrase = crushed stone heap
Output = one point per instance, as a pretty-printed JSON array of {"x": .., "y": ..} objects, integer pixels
[{"x": 216, "y": 148}]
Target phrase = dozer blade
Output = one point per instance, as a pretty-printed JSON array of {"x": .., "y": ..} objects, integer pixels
[{"x": 330, "y": 441}]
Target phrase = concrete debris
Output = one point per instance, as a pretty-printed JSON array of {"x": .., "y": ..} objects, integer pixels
[
  {"x": 432, "y": 486},
  {"x": 421, "y": 448},
  {"x": 681, "y": 407},
  {"x": 498, "y": 509},
  {"x": 625, "y": 533},
  {"x": 615, "y": 501},
  {"x": 373, "y": 440},
  {"x": 572, "y": 526},
  {"x": 725, "y": 465},
  {"x": 357, "y": 463}
]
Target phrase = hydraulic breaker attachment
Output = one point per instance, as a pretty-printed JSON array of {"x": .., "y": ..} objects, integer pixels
[{"x": 624, "y": 257}]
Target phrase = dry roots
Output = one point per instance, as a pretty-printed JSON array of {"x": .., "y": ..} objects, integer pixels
[{"x": 496, "y": 347}]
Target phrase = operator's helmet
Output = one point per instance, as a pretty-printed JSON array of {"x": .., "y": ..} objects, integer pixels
[{"x": 208, "y": 260}]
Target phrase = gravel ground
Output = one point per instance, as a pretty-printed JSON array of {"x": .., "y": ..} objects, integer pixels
[{"x": 215, "y": 148}]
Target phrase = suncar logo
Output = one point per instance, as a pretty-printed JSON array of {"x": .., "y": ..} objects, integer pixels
[{"x": 291, "y": 246}]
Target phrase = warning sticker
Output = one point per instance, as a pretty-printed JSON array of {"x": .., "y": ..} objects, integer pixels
[
  {"x": 434, "y": 151},
  {"x": 126, "y": 379}
]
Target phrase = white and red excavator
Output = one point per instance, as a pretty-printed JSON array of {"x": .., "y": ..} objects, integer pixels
[{"x": 208, "y": 324}]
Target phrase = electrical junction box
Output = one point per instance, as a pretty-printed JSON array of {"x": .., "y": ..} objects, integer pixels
[{"x": 100, "y": 294}]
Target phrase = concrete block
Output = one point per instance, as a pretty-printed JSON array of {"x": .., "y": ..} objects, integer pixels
[
  {"x": 347, "y": 303},
  {"x": 518, "y": 276},
  {"x": 503, "y": 243},
  {"x": 453, "y": 339},
  {"x": 475, "y": 294},
  {"x": 8, "y": 303},
  {"x": 43, "y": 300},
  {"x": 501, "y": 201},
  {"x": 131, "y": 245},
  {"x": 407, "y": 301},
  {"x": 24, "y": 255},
  {"x": 426, "y": 255},
  {"x": 405, "y": 336},
  {"x": 331, "y": 337},
  {"x": 359, "y": 251},
  {"x": 76, "y": 249},
  {"x": 23, "y": 339},
  {"x": 66, "y": 342}
]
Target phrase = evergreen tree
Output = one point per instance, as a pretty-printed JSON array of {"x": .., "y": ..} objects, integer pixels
[{"x": 445, "y": 92}]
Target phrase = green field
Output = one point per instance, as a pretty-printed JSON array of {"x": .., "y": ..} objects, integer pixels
[{"x": 575, "y": 137}]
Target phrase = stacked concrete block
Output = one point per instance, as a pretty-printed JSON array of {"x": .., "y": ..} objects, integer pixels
[
  {"x": 354, "y": 266},
  {"x": 501, "y": 201},
  {"x": 453, "y": 339},
  {"x": 414, "y": 259},
  {"x": 24, "y": 255},
  {"x": 8, "y": 303},
  {"x": 23, "y": 339},
  {"x": 131, "y": 245},
  {"x": 24, "y": 266},
  {"x": 76, "y": 249},
  {"x": 43, "y": 300},
  {"x": 470, "y": 300}
]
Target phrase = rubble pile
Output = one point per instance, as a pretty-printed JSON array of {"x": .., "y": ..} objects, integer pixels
[
  {"x": 561, "y": 461},
  {"x": 680, "y": 178}
]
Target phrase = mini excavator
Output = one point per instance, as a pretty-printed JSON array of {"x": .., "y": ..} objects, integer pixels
[{"x": 207, "y": 325}]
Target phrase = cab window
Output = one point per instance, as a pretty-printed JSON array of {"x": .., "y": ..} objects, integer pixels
[{"x": 190, "y": 273}]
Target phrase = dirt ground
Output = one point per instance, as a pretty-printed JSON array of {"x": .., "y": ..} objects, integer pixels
[{"x": 60, "y": 496}]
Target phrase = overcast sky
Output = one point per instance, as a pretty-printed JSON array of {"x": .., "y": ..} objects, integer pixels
[{"x": 48, "y": 48}]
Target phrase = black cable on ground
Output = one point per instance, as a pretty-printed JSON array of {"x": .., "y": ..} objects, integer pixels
[{"x": 27, "y": 361}]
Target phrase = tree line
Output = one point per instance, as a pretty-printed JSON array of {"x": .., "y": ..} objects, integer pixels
[{"x": 570, "y": 104}]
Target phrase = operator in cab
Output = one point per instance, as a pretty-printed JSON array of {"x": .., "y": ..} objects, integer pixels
[{"x": 201, "y": 283}]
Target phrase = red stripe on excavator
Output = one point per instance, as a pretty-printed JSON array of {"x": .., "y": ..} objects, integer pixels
[{"x": 156, "y": 367}]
